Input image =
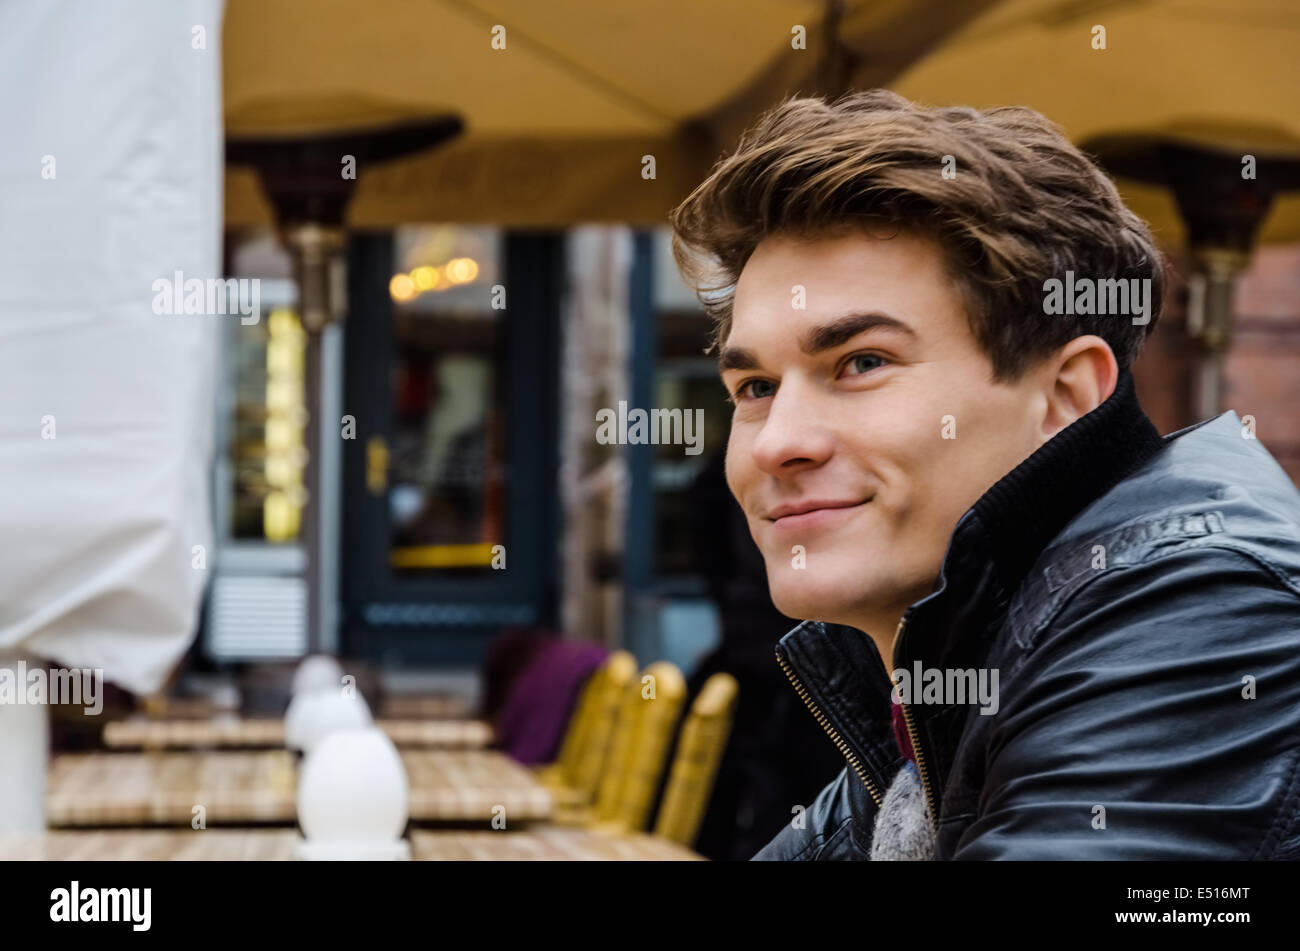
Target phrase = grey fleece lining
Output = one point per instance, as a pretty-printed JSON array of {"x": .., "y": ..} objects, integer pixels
[{"x": 903, "y": 832}]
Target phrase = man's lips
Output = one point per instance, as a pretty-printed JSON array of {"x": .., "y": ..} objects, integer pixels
[{"x": 811, "y": 510}]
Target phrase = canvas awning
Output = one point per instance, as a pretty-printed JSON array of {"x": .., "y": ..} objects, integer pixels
[
  {"x": 557, "y": 122},
  {"x": 1221, "y": 74}
]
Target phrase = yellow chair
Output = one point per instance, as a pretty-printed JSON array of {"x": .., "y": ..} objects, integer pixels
[
  {"x": 575, "y": 776},
  {"x": 695, "y": 766},
  {"x": 647, "y": 718}
]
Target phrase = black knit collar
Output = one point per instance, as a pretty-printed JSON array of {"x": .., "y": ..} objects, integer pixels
[{"x": 1000, "y": 537}]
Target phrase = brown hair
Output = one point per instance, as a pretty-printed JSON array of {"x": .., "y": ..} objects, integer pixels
[{"x": 1024, "y": 206}]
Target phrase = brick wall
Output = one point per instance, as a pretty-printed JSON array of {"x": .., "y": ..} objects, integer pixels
[{"x": 1263, "y": 366}]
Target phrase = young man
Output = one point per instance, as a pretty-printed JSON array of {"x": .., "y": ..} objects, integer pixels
[{"x": 1094, "y": 632}]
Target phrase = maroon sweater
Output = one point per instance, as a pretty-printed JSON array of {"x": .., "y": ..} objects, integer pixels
[{"x": 900, "y": 733}]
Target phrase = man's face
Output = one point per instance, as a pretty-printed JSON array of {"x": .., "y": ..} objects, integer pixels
[{"x": 838, "y": 453}]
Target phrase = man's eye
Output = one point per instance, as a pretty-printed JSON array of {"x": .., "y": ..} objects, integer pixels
[
  {"x": 864, "y": 363},
  {"x": 754, "y": 390}
]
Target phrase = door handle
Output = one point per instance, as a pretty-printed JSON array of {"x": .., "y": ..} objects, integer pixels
[{"x": 377, "y": 465}]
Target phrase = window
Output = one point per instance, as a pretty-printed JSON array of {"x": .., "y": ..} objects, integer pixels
[
  {"x": 263, "y": 453},
  {"x": 447, "y": 473}
]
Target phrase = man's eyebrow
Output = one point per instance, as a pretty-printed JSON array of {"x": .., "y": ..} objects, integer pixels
[
  {"x": 737, "y": 358},
  {"x": 819, "y": 339},
  {"x": 828, "y": 336}
]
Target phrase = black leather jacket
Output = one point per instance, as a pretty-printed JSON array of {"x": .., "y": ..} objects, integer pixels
[{"x": 1140, "y": 599}]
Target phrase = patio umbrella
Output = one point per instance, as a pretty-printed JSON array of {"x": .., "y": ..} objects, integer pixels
[
  {"x": 1220, "y": 73},
  {"x": 562, "y": 101}
]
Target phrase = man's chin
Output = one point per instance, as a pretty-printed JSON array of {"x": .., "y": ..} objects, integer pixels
[{"x": 803, "y": 603}]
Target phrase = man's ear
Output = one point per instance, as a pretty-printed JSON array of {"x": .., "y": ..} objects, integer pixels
[{"x": 1079, "y": 378}]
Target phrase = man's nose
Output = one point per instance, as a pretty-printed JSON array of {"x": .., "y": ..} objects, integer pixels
[{"x": 795, "y": 433}]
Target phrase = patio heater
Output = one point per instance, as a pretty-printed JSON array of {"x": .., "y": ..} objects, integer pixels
[
  {"x": 1223, "y": 208},
  {"x": 303, "y": 176}
]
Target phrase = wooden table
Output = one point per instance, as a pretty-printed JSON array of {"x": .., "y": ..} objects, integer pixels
[
  {"x": 470, "y": 785},
  {"x": 395, "y": 706},
  {"x": 151, "y": 734},
  {"x": 427, "y": 707},
  {"x": 542, "y": 844},
  {"x": 545, "y": 843},
  {"x": 163, "y": 788},
  {"x": 150, "y": 845}
]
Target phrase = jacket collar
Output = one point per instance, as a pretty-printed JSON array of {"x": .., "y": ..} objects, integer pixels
[{"x": 989, "y": 554}]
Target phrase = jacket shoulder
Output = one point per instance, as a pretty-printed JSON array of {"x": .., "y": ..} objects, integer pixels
[
  {"x": 830, "y": 829},
  {"x": 1209, "y": 488},
  {"x": 1151, "y": 680}
]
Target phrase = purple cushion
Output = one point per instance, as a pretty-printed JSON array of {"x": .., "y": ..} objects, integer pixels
[{"x": 531, "y": 726}]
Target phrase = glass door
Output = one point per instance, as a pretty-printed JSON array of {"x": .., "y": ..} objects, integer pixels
[{"x": 449, "y": 489}]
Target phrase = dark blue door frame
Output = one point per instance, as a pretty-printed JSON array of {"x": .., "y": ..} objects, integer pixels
[
  {"x": 639, "y": 537},
  {"x": 433, "y": 620}
]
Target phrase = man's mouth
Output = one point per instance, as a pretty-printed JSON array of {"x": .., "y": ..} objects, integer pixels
[{"x": 813, "y": 512}]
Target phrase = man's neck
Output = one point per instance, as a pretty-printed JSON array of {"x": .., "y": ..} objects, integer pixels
[
  {"x": 882, "y": 630},
  {"x": 885, "y": 645}
]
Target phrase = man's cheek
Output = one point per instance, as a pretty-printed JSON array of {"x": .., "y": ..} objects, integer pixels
[{"x": 738, "y": 461}]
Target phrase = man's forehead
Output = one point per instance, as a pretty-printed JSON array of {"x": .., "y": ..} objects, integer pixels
[
  {"x": 812, "y": 279},
  {"x": 840, "y": 249}
]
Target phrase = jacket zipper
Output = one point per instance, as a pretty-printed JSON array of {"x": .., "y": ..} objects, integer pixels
[
  {"x": 916, "y": 745},
  {"x": 833, "y": 733}
]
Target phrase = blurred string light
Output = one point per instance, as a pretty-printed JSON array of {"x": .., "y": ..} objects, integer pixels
[
  {"x": 461, "y": 270},
  {"x": 286, "y": 415},
  {"x": 425, "y": 277},
  {"x": 401, "y": 287},
  {"x": 406, "y": 287}
]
